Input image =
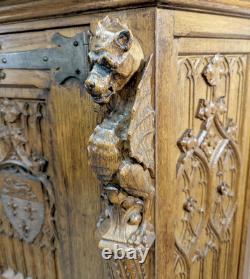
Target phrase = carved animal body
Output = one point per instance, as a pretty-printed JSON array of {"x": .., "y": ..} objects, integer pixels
[{"x": 121, "y": 149}]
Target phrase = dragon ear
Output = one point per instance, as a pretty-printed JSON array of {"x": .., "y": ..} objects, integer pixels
[{"x": 124, "y": 40}]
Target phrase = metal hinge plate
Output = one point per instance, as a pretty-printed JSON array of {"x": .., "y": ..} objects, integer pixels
[{"x": 67, "y": 60}]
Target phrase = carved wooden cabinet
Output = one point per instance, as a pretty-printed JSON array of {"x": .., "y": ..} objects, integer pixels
[{"x": 124, "y": 124}]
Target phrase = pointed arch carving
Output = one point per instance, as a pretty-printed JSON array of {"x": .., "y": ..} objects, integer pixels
[{"x": 208, "y": 173}]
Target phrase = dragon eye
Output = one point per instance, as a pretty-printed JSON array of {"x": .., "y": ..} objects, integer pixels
[
  {"x": 106, "y": 63},
  {"x": 116, "y": 76}
]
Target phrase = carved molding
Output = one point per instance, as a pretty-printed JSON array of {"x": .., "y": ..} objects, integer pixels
[
  {"x": 121, "y": 149},
  {"x": 208, "y": 174}
]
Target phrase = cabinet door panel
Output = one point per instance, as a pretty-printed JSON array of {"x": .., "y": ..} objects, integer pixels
[
  {"x": 212, "y": 97},
  {"x": 46, "y": 220}
]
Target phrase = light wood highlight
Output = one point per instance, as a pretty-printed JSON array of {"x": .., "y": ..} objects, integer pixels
[{"x": 190, "y": 24}]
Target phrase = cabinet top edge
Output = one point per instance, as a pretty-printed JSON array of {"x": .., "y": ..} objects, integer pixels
[
  {"x": 17, "y": 10},
  {"x": 239, "y": 8}
]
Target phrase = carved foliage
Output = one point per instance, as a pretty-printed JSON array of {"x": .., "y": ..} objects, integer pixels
[{"x": 214, "y": 70}]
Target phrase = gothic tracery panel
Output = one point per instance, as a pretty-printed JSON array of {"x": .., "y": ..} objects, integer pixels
[
  {"x": 209, "y": 165},
  {"x": 27, "y": 205}
]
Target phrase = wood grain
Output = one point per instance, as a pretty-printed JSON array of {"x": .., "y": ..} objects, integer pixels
[
  {"x": 165, "y": 142},
  {"x": 229, "y": 7},
  {"x": 12, "y": 10},
  {"x": 243, "y": 269},
  {"x": 213, "y": 45},
  {"x": 196, "y": 46},
  {"x": 45, "y": 8},
  {"x": 31, "y": 85},
  {"x": 183, "y": 42},
  {"x": 71, "y": 111},
  {"x": 190, "y": 24}
]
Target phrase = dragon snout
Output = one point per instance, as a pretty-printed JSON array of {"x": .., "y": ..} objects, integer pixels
[{"x": 90, "y": 85}]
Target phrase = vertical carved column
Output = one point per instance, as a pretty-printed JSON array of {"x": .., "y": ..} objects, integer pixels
[{"x": 121, "y": 149}]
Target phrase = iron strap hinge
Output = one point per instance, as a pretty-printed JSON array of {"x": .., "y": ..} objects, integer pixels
[{"x": 69, "y": 59}]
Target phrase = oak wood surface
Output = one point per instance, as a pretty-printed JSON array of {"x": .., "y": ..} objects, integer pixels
[
  {"x": 71, "y": 118},
  {"x": 234, "y": 7},
  {"x": 47, "y": 8},
  {"x": 33, "y": 85},
  {"x": 175, "y": 37},
  {"x": 244, "y": 267},
  {"x": 203, "y": 45},
  {"x": 165, "y": 174},
  {"x": 245, "y": 237},
  {"x": 187, "y": 24},
  {"x": 190, "y": 24},
  {"x": 13, "y": 10},
  {"x": 192, "y": 38}
]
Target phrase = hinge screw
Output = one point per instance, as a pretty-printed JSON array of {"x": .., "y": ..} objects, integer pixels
[
  {"x": 76, "y": 43},
  {"x": 78, "y": 71},
  {"x": 4, "y": 60},
  {"x": 45, "y": 58}
]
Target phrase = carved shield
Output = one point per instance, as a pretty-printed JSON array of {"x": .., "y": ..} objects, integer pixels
[{"x": 23, "y": 204}]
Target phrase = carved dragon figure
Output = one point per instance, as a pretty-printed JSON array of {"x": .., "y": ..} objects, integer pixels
[{"x": 121, "y": 150}]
